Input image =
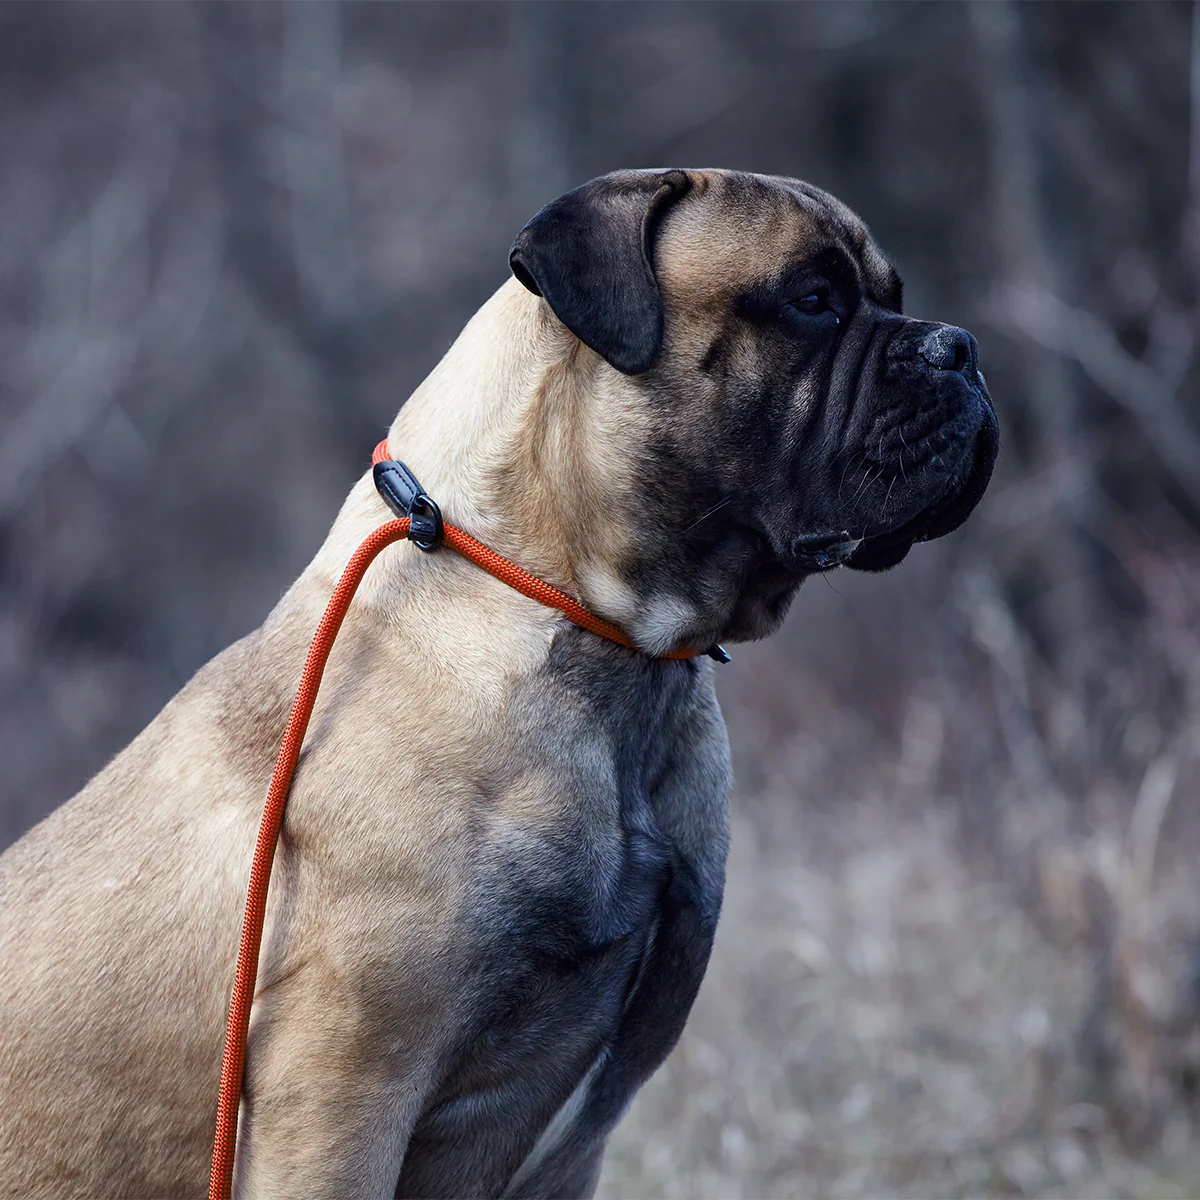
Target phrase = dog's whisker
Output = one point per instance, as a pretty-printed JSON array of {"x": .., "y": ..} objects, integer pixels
[
  {"x": 842, "y": 481},
  {"x": 868, "y": 479},
  {"x": 889, "y": 493},
  {"x": 704, "y": 516}
]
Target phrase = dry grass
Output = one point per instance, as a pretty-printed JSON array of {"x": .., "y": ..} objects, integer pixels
[
  {"x": 884, "y": 1016},
  {"x": 877, "y": 1023}
]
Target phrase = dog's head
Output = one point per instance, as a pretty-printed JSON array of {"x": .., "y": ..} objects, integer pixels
[{"x": 798, "y": 420}]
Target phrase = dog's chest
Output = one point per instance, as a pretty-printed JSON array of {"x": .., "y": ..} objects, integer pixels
[
  {"x": 561, "y": 936},
  {"x": 561, "y": 916},
  {"x": 567, "y": 881}
]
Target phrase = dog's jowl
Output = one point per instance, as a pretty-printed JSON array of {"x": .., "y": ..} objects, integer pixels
[{"x": 502, "y": 860}]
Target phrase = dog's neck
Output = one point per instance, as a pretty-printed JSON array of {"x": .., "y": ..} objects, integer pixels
[
  {"x": 503, "y": 433},
  {"x": 526, "y": 440}
]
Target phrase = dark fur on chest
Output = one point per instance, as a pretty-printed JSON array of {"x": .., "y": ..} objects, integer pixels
[{"x": 569, "y": 916}]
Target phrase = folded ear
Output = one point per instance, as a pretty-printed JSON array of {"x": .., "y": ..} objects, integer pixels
[{"x": 590, "y": 253}]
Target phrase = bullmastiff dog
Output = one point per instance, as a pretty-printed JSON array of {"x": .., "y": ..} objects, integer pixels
[{"x": 502, "y": 862}]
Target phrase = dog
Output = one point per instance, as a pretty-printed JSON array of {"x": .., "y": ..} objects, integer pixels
[{"x": 502, "y": 862}]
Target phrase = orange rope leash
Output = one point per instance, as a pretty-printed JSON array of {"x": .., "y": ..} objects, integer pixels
[
  {"x": 234, "y": 1060},
  {"x": 221, "y": 1177}
]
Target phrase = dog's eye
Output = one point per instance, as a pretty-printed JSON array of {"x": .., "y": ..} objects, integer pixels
[{"x": 813, "y": 304}]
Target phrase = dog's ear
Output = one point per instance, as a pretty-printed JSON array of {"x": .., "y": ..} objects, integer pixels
[{"x": 590, "y": 253}]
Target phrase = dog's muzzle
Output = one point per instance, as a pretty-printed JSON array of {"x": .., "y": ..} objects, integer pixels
[{"x": 943, "y": 372}]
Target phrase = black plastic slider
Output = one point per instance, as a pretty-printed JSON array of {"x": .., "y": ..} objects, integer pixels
[
  {"x": 404, "y": 495},
  {"x": 718, "y": 653}
]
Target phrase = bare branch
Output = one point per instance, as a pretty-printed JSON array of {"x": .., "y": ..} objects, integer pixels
[
  {"x": 1191, "y": 231},
  {"x": 1087, "y": 340},
  {"x": 995, "y": 630},
  {"x": 323, "y": 243},
  {"x": 96, "y": 288}
]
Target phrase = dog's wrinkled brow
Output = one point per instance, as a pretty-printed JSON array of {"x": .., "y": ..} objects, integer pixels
[
  {"x": 796, "y": 276},
  {"x": 864, "y": 258}
]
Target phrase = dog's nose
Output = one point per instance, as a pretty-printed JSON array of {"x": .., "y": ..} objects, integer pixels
[{"x": 950, "y": 348}]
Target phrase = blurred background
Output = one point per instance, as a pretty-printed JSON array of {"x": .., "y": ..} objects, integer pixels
[{"x": 961, "y": 949}]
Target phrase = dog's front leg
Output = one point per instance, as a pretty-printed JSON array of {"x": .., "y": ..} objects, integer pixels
[
  {"x": 329, "y": 1101},
  {"x": 690, "y": 804},
  {"x": 649, "y": 1028}
]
